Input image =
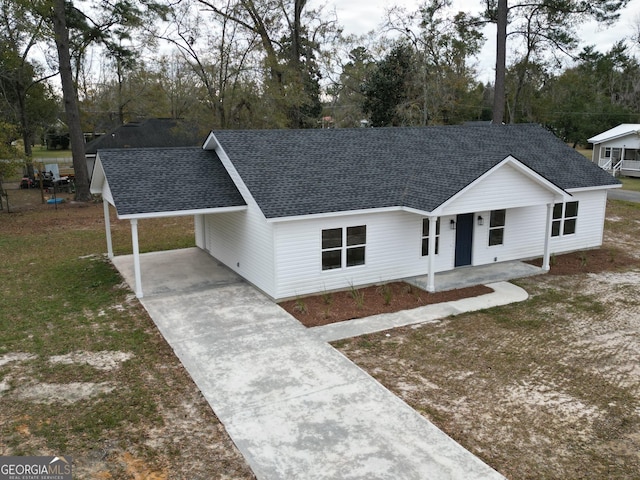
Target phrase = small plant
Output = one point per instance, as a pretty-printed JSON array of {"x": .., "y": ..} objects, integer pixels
[
  {"x": 583, "y": 259},
  {"x": 552, "y": 260},
  {"x": 326, "y": 313},
  {"x": 327, "y": 297},
  {"x": 300, "y": 306},
  {"x": 357, "y": 295},
  {"x": 386, "y": 293}
]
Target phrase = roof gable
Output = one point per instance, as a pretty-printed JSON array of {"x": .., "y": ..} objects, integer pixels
[
  {"x": 510, "y": 184},
  {"x": 164, "y": 181}
]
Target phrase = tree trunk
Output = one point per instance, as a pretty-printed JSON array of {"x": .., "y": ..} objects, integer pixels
[
  {"x": 24, "y": 122},
  {"x": 70, "y": 102},
  {"x": 501, "y": 63}
]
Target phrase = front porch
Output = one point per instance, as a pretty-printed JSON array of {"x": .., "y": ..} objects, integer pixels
[
  {"x": 628, "y": 168},
  {"x": 480, "y": 275}
]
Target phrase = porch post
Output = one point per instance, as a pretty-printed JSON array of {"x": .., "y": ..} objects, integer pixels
[
  {"x": 136, "y": 256},
  {"x": 431, "y": 282},
  {"x": 198, "y": 222},
  {"x": 107, "y": 226},
  {"x": 547, "y": 238}
]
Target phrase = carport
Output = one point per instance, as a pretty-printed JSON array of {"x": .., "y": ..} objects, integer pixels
[{"x": 187, "y": 182}]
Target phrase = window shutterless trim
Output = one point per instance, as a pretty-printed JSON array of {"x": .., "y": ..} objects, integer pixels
[{"x": 343, "y": 247}]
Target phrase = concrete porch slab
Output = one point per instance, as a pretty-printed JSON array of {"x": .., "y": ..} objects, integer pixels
[{"x": 481, "y": 275}]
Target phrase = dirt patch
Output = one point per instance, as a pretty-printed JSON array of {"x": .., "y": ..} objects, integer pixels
[
  {"x": 16, "y": 357},
  {"x": 49, "y": 393},
  {"x": 316, "y": 310},
  {"x": 100, "y": 360}
]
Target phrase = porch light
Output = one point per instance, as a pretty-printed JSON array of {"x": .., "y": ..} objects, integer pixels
[
  {"x": 452, "y": 224},
  {"x": 480, "y": 220}
]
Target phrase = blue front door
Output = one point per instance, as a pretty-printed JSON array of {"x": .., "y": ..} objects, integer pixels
[{"x": 464, "y": 239}]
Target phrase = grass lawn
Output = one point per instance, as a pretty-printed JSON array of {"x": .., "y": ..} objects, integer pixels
[
  {"x": 630, "y": 183},
  {"x": 40, "y": 151},
  {"x": 83, "y": 370}
]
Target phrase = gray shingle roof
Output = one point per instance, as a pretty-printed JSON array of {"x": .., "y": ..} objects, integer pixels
[
  {"x": 154, "y": 180},
  {"x": 301, "y": 172},
  {"x": 153, "y": 132}
]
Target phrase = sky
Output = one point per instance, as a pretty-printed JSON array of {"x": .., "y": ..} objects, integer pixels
[{"x": 361, "y": 16}]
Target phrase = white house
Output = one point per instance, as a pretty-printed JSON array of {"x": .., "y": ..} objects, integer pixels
[
  {"x": 302, "y": 211},
  {"x": 618, "y": 150}
]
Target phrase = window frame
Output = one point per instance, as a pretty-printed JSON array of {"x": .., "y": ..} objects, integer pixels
[
  {"x": 497, "y": 227},
  {"x": 425, "y": 236},
  {"x": 348, "y": 248},
  {"x": 560, "y": 222}
]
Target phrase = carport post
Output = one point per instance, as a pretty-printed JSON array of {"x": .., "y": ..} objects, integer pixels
[
  {"x": 107, "y": 226},
  {"x": 431, "y": 282},
  {"x": 547, "y": 238},
  {"x": 136, "y": 256}
]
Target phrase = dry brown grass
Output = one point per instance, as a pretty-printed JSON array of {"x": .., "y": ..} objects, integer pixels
[{"x": 83, "y": 369}]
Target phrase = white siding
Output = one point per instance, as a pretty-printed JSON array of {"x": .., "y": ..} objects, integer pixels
[
  {"x": 525, "y": 229},
  {"x": 393, "y": 251},
  {"x": 246, "y": 243},
  {"x": 590, "y": 225},
  {"x": 243, "y": 241},
  {"x": 506, "y": 187},
  {"x": 629, "y": 141}
]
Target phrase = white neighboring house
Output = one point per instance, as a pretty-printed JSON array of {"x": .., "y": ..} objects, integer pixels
[
  {"x": 304, "y": 211},
  {"x": 618, "y": 150}
]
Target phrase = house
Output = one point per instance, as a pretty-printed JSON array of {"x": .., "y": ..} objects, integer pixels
[
  {"x": 303, "y": 211},
  {"x": 618, "y": 150},
  {"x": 153, "y": 132}
]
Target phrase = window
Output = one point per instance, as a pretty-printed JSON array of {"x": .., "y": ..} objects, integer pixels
[
  {"x": 425, "y": 236},
  {"x": 613, "y": 153},
  {"x": 496, "y": 227},
  {"x": 565, "y": 216},
  {"x": 343, "y": 247}
]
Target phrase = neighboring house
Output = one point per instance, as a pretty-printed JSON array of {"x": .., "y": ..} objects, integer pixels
[
  {"x": 618, "y": 150},
  {"x": 297, "y": 212},
  {"x": 153, "y": 132}
]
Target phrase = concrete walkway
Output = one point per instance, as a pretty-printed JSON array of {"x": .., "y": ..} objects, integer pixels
[
  {"x": 504, "y": 293},
  {"x": 295, "y": 407}
]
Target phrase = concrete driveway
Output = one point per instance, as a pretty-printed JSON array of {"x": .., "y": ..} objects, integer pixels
[{"x": 295, "y": 407}]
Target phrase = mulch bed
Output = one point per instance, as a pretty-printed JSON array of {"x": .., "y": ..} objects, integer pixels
[
  {"x": 316, "y": 310},
  {"x": 588, "y": 261}
]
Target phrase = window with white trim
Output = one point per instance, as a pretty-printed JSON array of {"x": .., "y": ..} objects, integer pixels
[
  {"x": 496, "y": 227},
  {"x": 425, "y": 236},
  {"x": 343, "y": 247},
  {"x": 565, "y": 218}
]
